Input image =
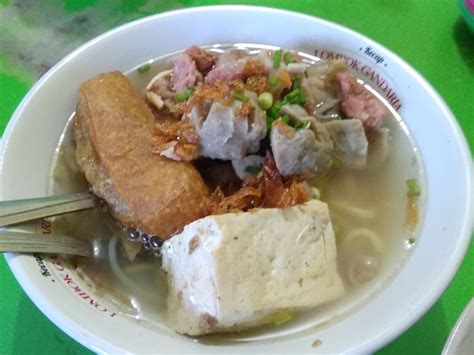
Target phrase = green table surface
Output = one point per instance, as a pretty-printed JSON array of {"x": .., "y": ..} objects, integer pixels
[{"x": 429, "y": 34}]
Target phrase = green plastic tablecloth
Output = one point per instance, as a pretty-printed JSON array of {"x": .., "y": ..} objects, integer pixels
[{"x": 429, "y": 34}]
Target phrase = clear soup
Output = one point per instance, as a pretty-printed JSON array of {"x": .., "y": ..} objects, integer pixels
[{"x": 368, "y": 210}]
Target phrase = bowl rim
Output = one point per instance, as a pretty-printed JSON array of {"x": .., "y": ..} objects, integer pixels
[{"x": 384, "y": 338}]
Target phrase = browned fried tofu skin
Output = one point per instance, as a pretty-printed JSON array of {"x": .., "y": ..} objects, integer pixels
[{"x": 113, "y": 130}]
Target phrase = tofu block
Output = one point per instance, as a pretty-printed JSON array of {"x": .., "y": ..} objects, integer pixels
[{"x": 233, "y": 271}]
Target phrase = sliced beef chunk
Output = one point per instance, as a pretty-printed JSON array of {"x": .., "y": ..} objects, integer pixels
[
  {"x": 230, "y": 66},
  {"x": 185, "y": 73},
  {"x": 204, "y": 60},
  {"x": 358, "y": 102}
]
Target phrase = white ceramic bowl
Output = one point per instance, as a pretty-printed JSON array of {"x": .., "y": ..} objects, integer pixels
[{"x": 33, "y": 132}]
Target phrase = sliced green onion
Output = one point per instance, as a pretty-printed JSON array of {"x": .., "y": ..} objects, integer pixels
[
  {"x": 277, "y": 58},
  {"x": 302, "y": 124},
  {"x": 302, "y": 97},
  {"x": 278, "y": 105},
  {"x": 265, "y": 100},
  {"x": 292, "y": 97},
  {"x": 270, "y": 121},
  {"x": 296, "y": 83},
  {"x": 181, "y": 96},
  {"x": 253, "y": 169},
  {"x": 189, "y": 91},
  {"x": 288, "y": 58},
  {"x": 315, "y": 193},
  {"x": 280, "y": 317},
  {"x": 413, "y": 188},
  {"x": 299, "y": 125},
  {"x": 336, "y": 162},
  {"x": 274, "y": 111},
  {"x": 286, "y": 119},
  {"x": 411, "y": 241},
  {"x": 144, "y": 68},
  {"x": 297, "y": 96},
  {"x": 239, "y": 96},
  {"x": 184, "y": 95},
  {"x": 273, "y": 81}
]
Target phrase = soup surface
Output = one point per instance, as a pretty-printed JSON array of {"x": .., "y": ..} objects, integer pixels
[{"x": 368, "y": 210}]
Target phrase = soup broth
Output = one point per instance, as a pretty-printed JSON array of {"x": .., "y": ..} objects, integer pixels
[{"x": 367, "y": 208}]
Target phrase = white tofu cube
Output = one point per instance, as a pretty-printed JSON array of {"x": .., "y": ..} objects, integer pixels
[{"x": 232, "y": 271}]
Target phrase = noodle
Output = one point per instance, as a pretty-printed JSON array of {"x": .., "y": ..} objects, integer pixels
[
  {"x": 364, "y": 233},
  {"x": 362, "y": 265},
  {"x": 117, "y": 271},
  {"x": 157, "y": 77},
  {"x": 347, "y": 209}
]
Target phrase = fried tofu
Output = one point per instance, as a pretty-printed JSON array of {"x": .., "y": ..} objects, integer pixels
[{"x": 113, "y": 132}]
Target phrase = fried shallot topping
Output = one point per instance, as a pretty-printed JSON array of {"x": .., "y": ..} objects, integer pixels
[
  {"x": 245, "y": 109},
  {"x": 257, "y": 84},
  {"x": 276, "y": 192},
  {"x": 284, "y": 77},
  {"x": 245, "y": 198},
  {"x": 254, "y": 67},
  {"x": 283, "y": 127},
  {"x": 176, "y": 140},
  {"x": 224, "y": 92},
  {"x": 268, "y": 190}
]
